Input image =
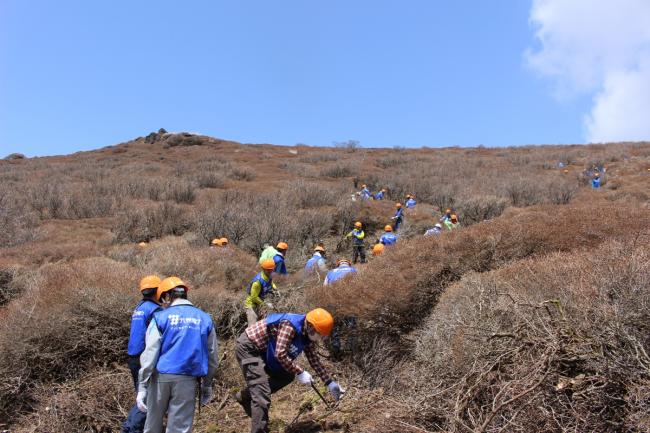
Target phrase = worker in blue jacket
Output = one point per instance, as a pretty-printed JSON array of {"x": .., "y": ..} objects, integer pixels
[
  {"x": 410, "y": 201},
  {"x": 380, "y": 194},
  {"x": 140, "y": 319},
  {"x": 317, "y": 262},
  {"x": 399, "y": 216},
  {"x": 343, "y": 268},
  {"x": 365, "y": 192},
  {"x": 180, "y": 356},
  {"x": 388, "y": 238},
  {"x": 280, "y": 267},
  {"x": 595, "y": 182}
]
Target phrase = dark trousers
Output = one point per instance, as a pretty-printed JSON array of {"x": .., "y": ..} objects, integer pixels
[
  {"x": 358, "y": 250},
  {"x": 398, "y": 221},
  {"x": 260, "y": 383},
  {"x": 135, "y": 420}
]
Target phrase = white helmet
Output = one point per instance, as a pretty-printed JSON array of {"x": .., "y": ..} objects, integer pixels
[{"x": 438, "y": 225}]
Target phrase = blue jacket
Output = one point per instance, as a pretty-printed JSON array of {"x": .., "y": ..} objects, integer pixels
[
  {"x": 388, "y": 238},
  {"x": 411, "y": 203},
  {"x": 338, "y": 273},
  {"x": 184, "y": 345},
  {"x": 399, "y": 213},
  {"x": 298, "y": 344},
  {"x": 312, "y": 263},
  {"x": 433, "y": 231},
  {"x": 595, "y": 183},
  {"x": 280, "y": 267},
  {"x": 139, "y": 322},
  {"x": 267, "y": 286},
  {"x": 365, "y": 193},
  {"x": 379, "y": 196}
]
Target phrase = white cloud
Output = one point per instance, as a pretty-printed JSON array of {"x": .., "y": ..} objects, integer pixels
[{"x": 599, "y": 47}]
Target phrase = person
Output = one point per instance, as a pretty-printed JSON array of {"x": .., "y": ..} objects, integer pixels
[
  {"x": 358, "y": 243},
  {"x": 224, "y": 242},
  {"x": 278, "y": 258},
  {"x": 410, "y": 201},
  {"x": 140, "y": 319},
  {"x": 317, "y": 261},
  {"x": 377, "y": 249},
  {"x": 266, "y": 353},
  {"x": 445, "y": 216},
  {"x": 380, "y": 194},
  {"x": 365, "y": 192},
  {"x": 399, "y": 216},
  {"x": 388, "y": 238},
  {"x": 260, "y": 287},
  {"x": 268, "y": 252},
  {"x": 595, "y": 182},
  {"x": 436, "y": 230},
  {"x": 180, "y": 356},
  {"x": 343, "y": 268},
  {"x": 452, "y": 223}
]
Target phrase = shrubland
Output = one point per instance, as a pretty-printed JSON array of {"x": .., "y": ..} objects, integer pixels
[{"x": 530, "y": 317}]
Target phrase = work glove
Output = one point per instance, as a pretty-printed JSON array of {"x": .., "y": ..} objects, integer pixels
[
  {"x": 336, "y": 390},
  {"x": 206, "y": 394},
  {"x": 305, "y": 378},
  {"x": 141, "y": 401},
  {"x": 270, "y": 306}
]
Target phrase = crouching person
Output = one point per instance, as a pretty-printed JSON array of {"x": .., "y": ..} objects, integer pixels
[
  {"x": 266, "y": 353},
  {"x": 180, "y": 352}
]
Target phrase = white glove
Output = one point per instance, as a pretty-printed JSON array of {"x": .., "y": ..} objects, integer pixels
[
  {"x": 206, "y": 395},
  {"x": 336, "y": 390},
  {"x": 141, "y": 401},
  {"x": 304, "y": 378},
  {"x": 269, "y": 306}
]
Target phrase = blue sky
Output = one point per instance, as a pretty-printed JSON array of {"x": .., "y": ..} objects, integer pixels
[{"x": 79, "y": 75}]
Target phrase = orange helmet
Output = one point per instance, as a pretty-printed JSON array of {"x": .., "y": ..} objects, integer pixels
[
  {"x": 454, "y": 217},
  {"x": 268, "y": 264},
  {"x": 149, "y": 282},
  {"x": 168, "y": 284},
  {"x": 320, "y": 248},
  {"x": 142, "y": 244},
  {"x": 321, "y": 320},
  {"x": 388, "y": 228},
  {"x": 448, "y": 211},
  {"x": 398, "y": 205},
  {"x": 282, "y": 246},
  {"x": 224, "y": 241},
  {"x": 215, "y": 241},
  {"x": 358, "y": 224},
  {"x": 363, "y": 186},
  {"x": 377, "y": 249}
]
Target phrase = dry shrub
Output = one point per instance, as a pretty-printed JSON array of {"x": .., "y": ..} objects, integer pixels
[
  {"x": 397, "y": 288},
  {"x": 143, "y": 223},
  {"x": 180, "y": 191},
  {"x": 525, "y": 192},
  {"x": 97, "y": 402},
  {"x": 73, "y": 317},
  {"x": 338, "y": 171},
  {"x": 17, "y": 223},
  {"x": 552, "y": 344},
  {"x": 477, "y": 209},
  {"x": 242, "y": 174}
]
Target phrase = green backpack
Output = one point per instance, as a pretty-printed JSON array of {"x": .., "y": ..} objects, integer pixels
[{"x": 268, "y": 253}]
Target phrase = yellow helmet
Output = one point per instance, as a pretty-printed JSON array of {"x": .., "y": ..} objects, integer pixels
[
  {"x": 149, "y": 282},
  {"x": 168, "y": 284},
  {"x": 321, "y": 320}
]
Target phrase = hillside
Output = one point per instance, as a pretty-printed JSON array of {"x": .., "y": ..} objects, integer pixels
[{"x": 532, "y": 316}]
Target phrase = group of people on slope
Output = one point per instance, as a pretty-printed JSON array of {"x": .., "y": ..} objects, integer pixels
[{"x": 173, "y": 353}]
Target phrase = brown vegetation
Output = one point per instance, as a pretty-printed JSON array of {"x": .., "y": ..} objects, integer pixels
[{"x": 531, "y": 317}]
